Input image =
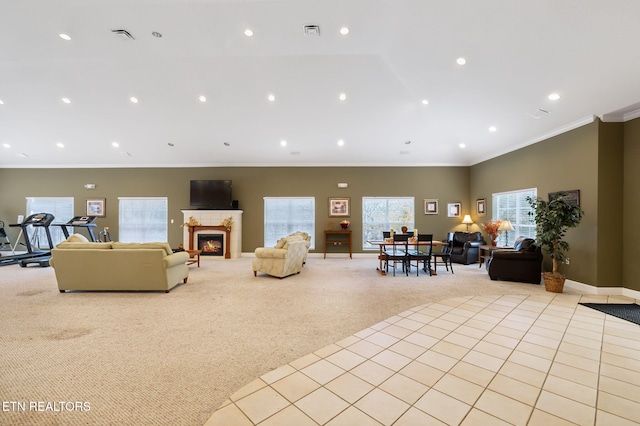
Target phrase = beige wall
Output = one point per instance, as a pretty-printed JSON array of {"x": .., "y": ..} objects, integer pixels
[{"x": 250, "y": 185}]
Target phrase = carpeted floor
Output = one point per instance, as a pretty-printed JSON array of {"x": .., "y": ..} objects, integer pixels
[
  {"x": 155, "y": 358},
  {"x": 627, "y": 311}
]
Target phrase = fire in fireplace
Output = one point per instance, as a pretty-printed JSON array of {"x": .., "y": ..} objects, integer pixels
[{"x": 211, "y": 244}]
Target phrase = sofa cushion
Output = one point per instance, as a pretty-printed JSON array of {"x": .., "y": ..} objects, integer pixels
[
  {"x": 70, "y": 245},
  {"x": 77, "y": 238},
  {"x": 143, "y": 246}
]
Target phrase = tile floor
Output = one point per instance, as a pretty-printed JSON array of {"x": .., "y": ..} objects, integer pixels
[{"x": 482, "y": 360}]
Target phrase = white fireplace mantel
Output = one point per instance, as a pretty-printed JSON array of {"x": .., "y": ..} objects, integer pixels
[{"x": 215, "y": 218}]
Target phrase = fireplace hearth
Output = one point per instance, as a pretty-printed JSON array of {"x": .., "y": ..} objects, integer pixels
[{"x": 211, "y": 244}]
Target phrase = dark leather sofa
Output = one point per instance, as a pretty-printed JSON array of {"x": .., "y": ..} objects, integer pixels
[
  {"x": 465, "y": 247},
  {"x": 522, "y": 263}
]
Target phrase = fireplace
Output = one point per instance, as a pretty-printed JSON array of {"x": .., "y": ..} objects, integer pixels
[{"x": 211, "y": 244}]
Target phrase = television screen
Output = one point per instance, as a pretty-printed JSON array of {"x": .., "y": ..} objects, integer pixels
[{"x": 211, "y": 194}]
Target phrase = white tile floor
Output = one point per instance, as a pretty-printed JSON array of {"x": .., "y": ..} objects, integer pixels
[{"x": 483, "y": 360}]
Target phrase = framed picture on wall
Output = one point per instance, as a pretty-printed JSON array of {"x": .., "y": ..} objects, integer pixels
[
  {"x": 339, "y": 207},
  {"x": 481, "y": 207},
  {"x": 454, "y": 209},
  {"x": 571, "y": 197},
  {"x": 96, "y": 207},
  {"x": 430, "y": 206}
]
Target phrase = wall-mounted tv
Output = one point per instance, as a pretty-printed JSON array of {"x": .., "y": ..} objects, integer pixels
[{"x": 211, "y": 194}]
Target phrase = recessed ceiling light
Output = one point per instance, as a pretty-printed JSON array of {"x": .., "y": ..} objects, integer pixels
[
  {"x": 60, "y": 145},
  {"x": 425, "y": 102},
  {"x": 344, "y": 30},
  {"x": 340, "y": 142},
  {"x": 156, "y": 34},
  {"x": 407, "y": 142},
  {"x": 170, "y": 144},
  {"x": 554, "y": 97},
  {"x": 493, "y": 128},
  {"x": 133, "y": 99},
  {"x": 115, "y": 144},
  {"x": 271, "y": 97},
  {"x": 64, "y": 36},
  {"x": 283, "y": 143},
  {"x": 248, "y": 32},
  {"x": 66, "y": 100},
  {"x": 342, "y": 96},
  {"x": 226, "y": 144},
  {"x": 6, "y": 145},
  {"x": 461, "y": 61},
  {"x": 462, "y": 146},
  {"x": 202, "y": 98}
]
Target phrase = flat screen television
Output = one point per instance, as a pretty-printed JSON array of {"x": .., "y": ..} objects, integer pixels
[{"x": 211, "y": 194}]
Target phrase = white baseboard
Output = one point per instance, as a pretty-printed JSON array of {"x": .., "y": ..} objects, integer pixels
[{"x": 602, "y": 291}]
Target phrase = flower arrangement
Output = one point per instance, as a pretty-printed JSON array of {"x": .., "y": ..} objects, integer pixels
[
  {"x": 227, "y": 223},
  {"x": 492, "y": 228},
  {"x": 192, "y": 222},
  {"x": 345, "y": 224}
]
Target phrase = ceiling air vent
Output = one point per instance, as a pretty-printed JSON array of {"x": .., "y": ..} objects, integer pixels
[
  {"x": 123, "y": 34},
  {"x": 311, "y": 30},
  {"x": 537, "y": 114}
]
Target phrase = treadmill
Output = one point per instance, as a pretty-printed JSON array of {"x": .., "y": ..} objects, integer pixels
[
  {"x": 82, "y": 222},
  {"x": 33, "y": 255}
]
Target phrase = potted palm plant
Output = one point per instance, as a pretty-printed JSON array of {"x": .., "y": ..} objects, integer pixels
[{"x": 553, "y": 218}]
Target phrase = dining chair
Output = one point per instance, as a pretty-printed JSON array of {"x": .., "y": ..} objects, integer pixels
[
  {"x": 397, "y": 253},
  {"x": 422, "y": 253},
  {"x": 445, "y": 257}
]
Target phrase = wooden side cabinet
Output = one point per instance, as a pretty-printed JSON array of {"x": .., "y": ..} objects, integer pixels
[{"x": 337, "y": 238}]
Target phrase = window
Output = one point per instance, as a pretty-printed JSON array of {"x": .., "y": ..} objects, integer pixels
[
  {"x": 514, "y": 206},
  {"x": 60, "y": 207},
  {"x": 142, "y": 219},
  {"x": 286, "y": 215},
  {"x": 381, "y": 214}
]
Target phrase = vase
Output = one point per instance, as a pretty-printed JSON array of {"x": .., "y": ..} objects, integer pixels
[
  {"x": 344, "y": 225},
  {"x": 494, "y": 242}
]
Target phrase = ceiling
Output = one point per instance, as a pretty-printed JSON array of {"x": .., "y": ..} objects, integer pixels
[{"x": 397, "y": 54}]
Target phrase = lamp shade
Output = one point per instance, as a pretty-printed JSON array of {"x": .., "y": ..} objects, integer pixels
[
  {"x": 506, "y": 225},
  {"x": 467, "y": 220}
]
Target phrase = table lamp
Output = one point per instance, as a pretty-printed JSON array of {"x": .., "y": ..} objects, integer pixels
[
  {"x": 467, "y": 221},
  {"x": 506, "y": 226}
]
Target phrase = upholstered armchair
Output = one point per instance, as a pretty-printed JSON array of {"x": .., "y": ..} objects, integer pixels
[
  {"x": 465, "y": 247},
  {"x": 522, "y": 263},
  {"x": 286, "y": 258}
]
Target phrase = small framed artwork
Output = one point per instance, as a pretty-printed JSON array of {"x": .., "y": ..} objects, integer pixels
[
  {"x": 339, "y": 207},
  {"x": 96, "y": 207},
  {"x": 430, "y": 206},
  {"x": 454, "y": 209},
  {"x": 481, "y": 207},
  {"x": 571, "y": 197}
]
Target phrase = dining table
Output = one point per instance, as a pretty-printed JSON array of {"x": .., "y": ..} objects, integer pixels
[{"x": 388, "y": 242}]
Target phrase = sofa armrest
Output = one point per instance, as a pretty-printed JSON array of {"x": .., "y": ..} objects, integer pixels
[
  {"x": 175, "y": 259},
  {"x": 271, "y": 252},
  {"x": 474, "y": 244}
]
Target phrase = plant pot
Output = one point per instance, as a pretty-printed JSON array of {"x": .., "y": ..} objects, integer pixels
[{"x": 553, "y": 283}]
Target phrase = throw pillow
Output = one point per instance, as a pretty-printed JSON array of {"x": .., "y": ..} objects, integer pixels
[{"x": 77, "y": 238}]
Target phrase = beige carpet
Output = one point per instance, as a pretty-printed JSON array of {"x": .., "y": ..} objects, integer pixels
[{"x": 156, "y": 358}]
